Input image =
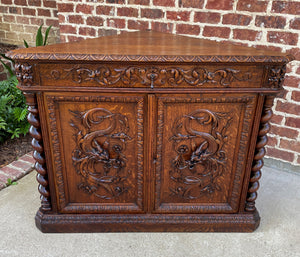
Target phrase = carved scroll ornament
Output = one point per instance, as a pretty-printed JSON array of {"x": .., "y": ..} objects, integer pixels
[
  {"x": 98, "y": 158},
  {"x": 151, "y": 76},
  {"x": 200, "y": 159}
]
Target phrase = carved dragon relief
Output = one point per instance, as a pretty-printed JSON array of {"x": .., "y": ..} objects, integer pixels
[
  {"x": 276, "y": 76},
  {"x": 24, "y": 74},
  {"x": 101, "y": 138},
  {"x": 200, "y": 159},
  {"x": 151, "y": 76}
]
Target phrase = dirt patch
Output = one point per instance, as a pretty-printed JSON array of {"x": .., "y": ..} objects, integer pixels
[{"x": 12, "y": 149}]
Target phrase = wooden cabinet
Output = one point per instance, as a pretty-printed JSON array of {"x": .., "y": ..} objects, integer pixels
[{"x": 148, "y": 131}]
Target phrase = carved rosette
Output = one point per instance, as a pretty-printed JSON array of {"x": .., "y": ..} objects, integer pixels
[
  {"x": 200, "y": 161},
  {"x": 37, "y": 144},
  {"x": 101, "y": 139},
  {"x": 259, "y": 154},
  {"x": 276, "y": 76},
  {"x": 151, "y": 76},
  {"x": 24, "y": 74}
]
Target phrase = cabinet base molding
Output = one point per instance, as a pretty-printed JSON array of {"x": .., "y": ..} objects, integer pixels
[{"x": 73, "y": 223}]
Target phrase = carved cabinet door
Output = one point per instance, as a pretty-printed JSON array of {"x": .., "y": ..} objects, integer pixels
[
  {"x": 201, "y": 152},
  {"x": 97, "y": 144}
]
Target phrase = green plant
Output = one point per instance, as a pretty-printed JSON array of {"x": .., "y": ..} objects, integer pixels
[
  {"x": 13, "y": 110},
  {"x": 10, "y": 182}
]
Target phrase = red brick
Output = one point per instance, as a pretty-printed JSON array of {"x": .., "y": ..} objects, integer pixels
[
  {"x": 34, "y": 2},
  {"x": 277, "y": 119},
  {"x": 55, "y": 13},
  {"x": 36, "y": 21},
  {"x": 67, "y": 29},
  {"x": 283, "y": 131},
  {"x": 296, "y": 96},
  {"x": 252, "y": 6},
  {"x": 4, "y": 9},
  {"x": 105, "y": 10},
  {"x": 23, "y": 165},
  {"x": 236, "y": 19},
  {"x": 141, "y": 2},
  {"x": 283, "y": 37},
  {"x": 115, "y": 1},
  {"x": 94, "y": 21},
  {"x": 12, "y": 172},
  {"x": 28, "y": 11},
  {"x": 219, "y": 5},
  {"x": 107, "y": 32},
  {"x": 216, "y": 32},
  {"x": 207, "y": 17},
  {"x": 116, "y": 23},
  {"x": 295, "y": 23},
  {"x": 15, "y": 10},
  {"x": 280, "y": 154},
  {"x": 9, "y": 18},
  {"x": 152, "y": 13},
  {"x": 44, "y": 12},
  {"x": 292, "y": 122},
  {"x": 178, "y": 16},
  {"x": 77, "y": 19},
  {"x": 295, "y": 52},
  {"x": 162, "y": 27},
  {"x": 164, "y": 2},
  {"x": 129, "y": 12},
  {"x": 245, "y": 34},
  {"x": 187, "y": 29},
  {"x": 287, "y": 7},
  {"x": 292, "y": 81},
  {"x": 49, "y": 3},
  {"x": 62, "y": 7},
  {"x": 270, "y": 22},
  {"x": 298, "y": 70},
  {"x": 61, "y": 18},
  {"x": 74, "y": 38},
  {"x": 292, "y": 145},
  {"x": 84, "y": 31},
  {"x": 140, "y": 25},
  {"x": 6, "y": 1},
  {"x": 272, "y": 141},
  {"x": 20, "y": 2},
  {"x": 3, "y": 178},
  {"x": 27, "y": 158},
  {"x": 22, "y": 20},
  {"x": 191, "y": 3},
  {"x": 84, "y": 8},
  {"x": 288, "y": 107}
]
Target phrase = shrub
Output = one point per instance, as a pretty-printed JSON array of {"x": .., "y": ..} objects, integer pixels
[{"x": 13, "y": 110}]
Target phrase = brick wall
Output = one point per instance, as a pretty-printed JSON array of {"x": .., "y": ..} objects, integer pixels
[
  {"x": 20, "y": 19},
  {"x": 262, "y": 24}
]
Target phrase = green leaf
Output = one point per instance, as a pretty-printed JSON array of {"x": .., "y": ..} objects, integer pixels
[
  {"x": 25, "y": 43},
  {"x": 46, "y": 34},
  {"x": 39, "y": 37},
  {"x": 11, "y": 73},
  {"x": 7, "y": 58}
]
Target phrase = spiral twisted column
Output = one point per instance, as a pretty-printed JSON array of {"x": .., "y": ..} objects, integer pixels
[
  {"x": 260, "y": 151},
  {"x": 38, "y": 155}
]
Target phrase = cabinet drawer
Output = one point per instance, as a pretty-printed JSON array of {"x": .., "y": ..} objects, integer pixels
[{"x": 150, "y": 76}]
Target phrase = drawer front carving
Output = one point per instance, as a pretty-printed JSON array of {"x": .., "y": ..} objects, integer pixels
[
  {"x": 98, "y": 152},
  {"x": 201, "y": 152},
  {"x": 154, "y": 76}
]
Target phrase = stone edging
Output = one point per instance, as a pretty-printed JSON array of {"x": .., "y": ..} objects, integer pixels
[{"x": 16, "y": 169}]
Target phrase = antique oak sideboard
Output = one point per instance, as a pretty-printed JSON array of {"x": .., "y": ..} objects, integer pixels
[{"x": 147, "y": 131}]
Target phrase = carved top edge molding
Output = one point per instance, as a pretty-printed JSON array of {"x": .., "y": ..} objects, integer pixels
[{"x": 152, "y": 58}]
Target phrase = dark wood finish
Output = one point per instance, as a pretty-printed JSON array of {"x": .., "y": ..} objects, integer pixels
[{"x": 148, "y": 131}]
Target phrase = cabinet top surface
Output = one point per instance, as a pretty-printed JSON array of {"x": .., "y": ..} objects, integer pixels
[{"x": 149, "y": 46}]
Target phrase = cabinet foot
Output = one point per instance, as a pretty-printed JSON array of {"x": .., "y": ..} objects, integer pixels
[{"x": 76, "y": 223}]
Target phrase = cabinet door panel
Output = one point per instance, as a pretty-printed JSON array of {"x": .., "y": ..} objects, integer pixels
[
  {"x": 201, "y": 152},
  {"x": 97, "y": 145}
]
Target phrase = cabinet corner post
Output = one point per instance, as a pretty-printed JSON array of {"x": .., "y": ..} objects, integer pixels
[
  {"x": 38, "y": 155},
  {"x": 260, "y": 151}
]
